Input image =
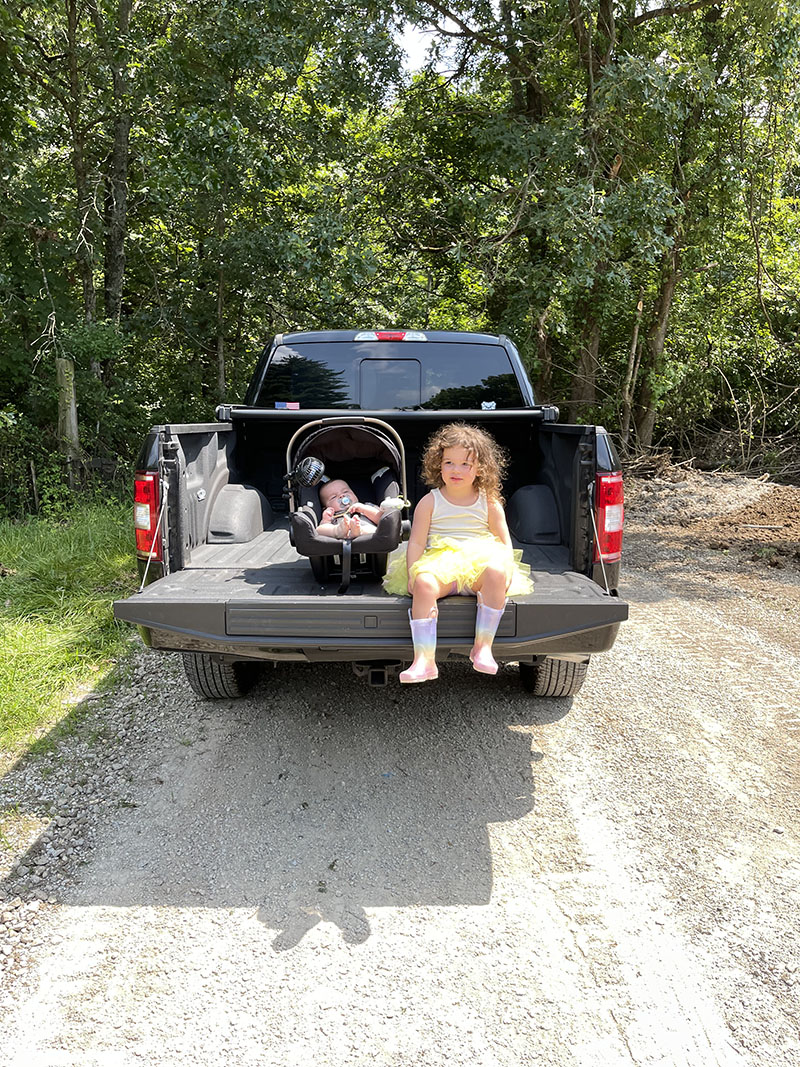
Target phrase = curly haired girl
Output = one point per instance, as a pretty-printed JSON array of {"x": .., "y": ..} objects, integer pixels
[{"x": 459, "y": 544}]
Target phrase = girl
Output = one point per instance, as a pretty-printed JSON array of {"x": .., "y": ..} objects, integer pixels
[{"x": 459, "y": 543}]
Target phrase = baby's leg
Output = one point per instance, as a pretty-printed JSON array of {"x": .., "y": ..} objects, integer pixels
[{"x": 331, "y": 529}]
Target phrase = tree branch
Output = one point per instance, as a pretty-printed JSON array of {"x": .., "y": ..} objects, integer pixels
[
  {"x": 581, "y": 33},
  {"x": 50, "y": 85},
  {"x": 478, "y": 36},
  {"x": 673, "y": 9}
]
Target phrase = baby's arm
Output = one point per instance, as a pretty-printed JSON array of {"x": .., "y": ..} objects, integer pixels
[
  {"x": 327, "y": 528},
  {"x": 369, "y": 511}
]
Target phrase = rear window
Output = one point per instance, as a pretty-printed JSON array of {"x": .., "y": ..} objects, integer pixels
[{"x": 380, "y": 375}]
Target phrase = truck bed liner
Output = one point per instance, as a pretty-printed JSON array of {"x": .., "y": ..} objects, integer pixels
[
  {"x": 272, "y": 552},
  {"x": 263, "y": 590}
]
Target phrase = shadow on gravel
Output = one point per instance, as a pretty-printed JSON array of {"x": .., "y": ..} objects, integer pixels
[{"x": 316, "y": 799}]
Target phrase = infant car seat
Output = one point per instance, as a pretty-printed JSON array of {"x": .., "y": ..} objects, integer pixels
[{"x": 368, "y": 454}]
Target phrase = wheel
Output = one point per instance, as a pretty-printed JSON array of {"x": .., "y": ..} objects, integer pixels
[
  {"x": 553, "y": 677},
  {"x": 218, "y": 681}
]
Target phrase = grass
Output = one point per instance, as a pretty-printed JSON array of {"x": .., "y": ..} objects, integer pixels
[{"x": 58, "y": 634}]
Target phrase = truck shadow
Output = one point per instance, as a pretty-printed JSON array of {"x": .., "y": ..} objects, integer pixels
[{"x": 318, "y": 799}]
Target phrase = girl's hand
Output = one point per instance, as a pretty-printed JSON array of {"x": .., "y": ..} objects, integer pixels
[{"x": 328, "y": 514}]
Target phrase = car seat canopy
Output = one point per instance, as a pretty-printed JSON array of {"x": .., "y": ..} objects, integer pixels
[{"x": 340, "y": 446}]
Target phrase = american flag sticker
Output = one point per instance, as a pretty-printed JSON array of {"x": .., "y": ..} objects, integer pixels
[{"x": 289, "y": 405}]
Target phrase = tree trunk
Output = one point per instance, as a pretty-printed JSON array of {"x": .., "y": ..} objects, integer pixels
[
  {"x": 237, "y": 345},
  {"x": 221, "y": 382},
  {"x": 544, "y": 379},
  {"x": 85, "y": 209},
  {"x": 117, "y": 219},
  {"x": 68, "y": 442},
  {"x": 646, "y": 407},
  {"x": 220, "y": 331},
  {"x": 595, "y": 44},
  {"x": 117, "y": 178},
  {"x": 631, "y": 375},
  {"x": 584, "y": 383}
]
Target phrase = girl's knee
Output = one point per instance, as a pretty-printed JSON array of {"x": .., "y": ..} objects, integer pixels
[{"x": 426, "y": 583}]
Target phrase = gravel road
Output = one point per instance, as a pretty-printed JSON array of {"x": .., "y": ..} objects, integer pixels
[{"x": 326, "y": 874}]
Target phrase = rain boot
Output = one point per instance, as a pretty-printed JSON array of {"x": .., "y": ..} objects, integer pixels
[
  {"x": 486, "y": 622},
  {"x": 423, "y": 634}
]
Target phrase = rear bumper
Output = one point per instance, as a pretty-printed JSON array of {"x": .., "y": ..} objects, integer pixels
[
  {"x": 580, "y": 620},
  {"x": 574, "y": 646}
]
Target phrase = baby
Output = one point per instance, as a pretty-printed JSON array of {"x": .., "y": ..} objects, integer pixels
[{"x": 345, "y": 517}]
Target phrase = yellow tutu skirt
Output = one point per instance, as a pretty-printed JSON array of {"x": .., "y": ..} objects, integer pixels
[{"x": 462, "y": 562}]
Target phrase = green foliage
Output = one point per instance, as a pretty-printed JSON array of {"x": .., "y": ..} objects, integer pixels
[
  {"x": 58, "y": 578},
  {"x": 543, "y": 174}
]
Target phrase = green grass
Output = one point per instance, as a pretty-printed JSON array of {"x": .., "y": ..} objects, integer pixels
[{"x": 57, "y": 632}]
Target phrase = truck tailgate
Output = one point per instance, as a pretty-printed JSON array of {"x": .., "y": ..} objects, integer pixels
[{"x": 263, "y": 593}]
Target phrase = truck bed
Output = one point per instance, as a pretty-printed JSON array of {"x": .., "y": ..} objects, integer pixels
[{"x": 260, "y": 600}]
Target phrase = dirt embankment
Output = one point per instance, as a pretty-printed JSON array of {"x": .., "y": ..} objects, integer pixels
[{"x": 757, "y": 521}]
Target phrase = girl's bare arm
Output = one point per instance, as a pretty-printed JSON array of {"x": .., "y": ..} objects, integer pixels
[
  {"x": 497, "y": 522},
  {"x": 420, "y": 526},
  {"x": 499, "y": 527}
]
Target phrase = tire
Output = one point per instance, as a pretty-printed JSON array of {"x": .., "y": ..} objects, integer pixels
[
  {"x": 553, "y": 677},
  {"x": 218, "y": 681}
]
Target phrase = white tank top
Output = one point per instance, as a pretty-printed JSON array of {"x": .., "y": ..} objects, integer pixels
[{"x": 461, "y": 522}]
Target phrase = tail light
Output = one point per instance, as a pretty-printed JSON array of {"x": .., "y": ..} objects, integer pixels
[
  {"x": 610, "y": 515},
  {"x": 145, "y": 513}
]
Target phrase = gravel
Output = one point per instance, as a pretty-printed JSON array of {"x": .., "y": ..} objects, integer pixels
[{"x": 326, "y": 873}]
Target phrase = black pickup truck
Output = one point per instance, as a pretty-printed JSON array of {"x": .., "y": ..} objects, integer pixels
[{"x": 233, "y": 576}]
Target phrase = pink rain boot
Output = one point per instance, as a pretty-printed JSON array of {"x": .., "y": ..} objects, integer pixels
[
  {"x": 423, "y": 634},
  {"x": 486, "y": 622}
]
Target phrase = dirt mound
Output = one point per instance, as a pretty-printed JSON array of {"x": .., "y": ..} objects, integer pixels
[
  {"x": 725, "y": 512},
  {"x": 768, "y": 529}
]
